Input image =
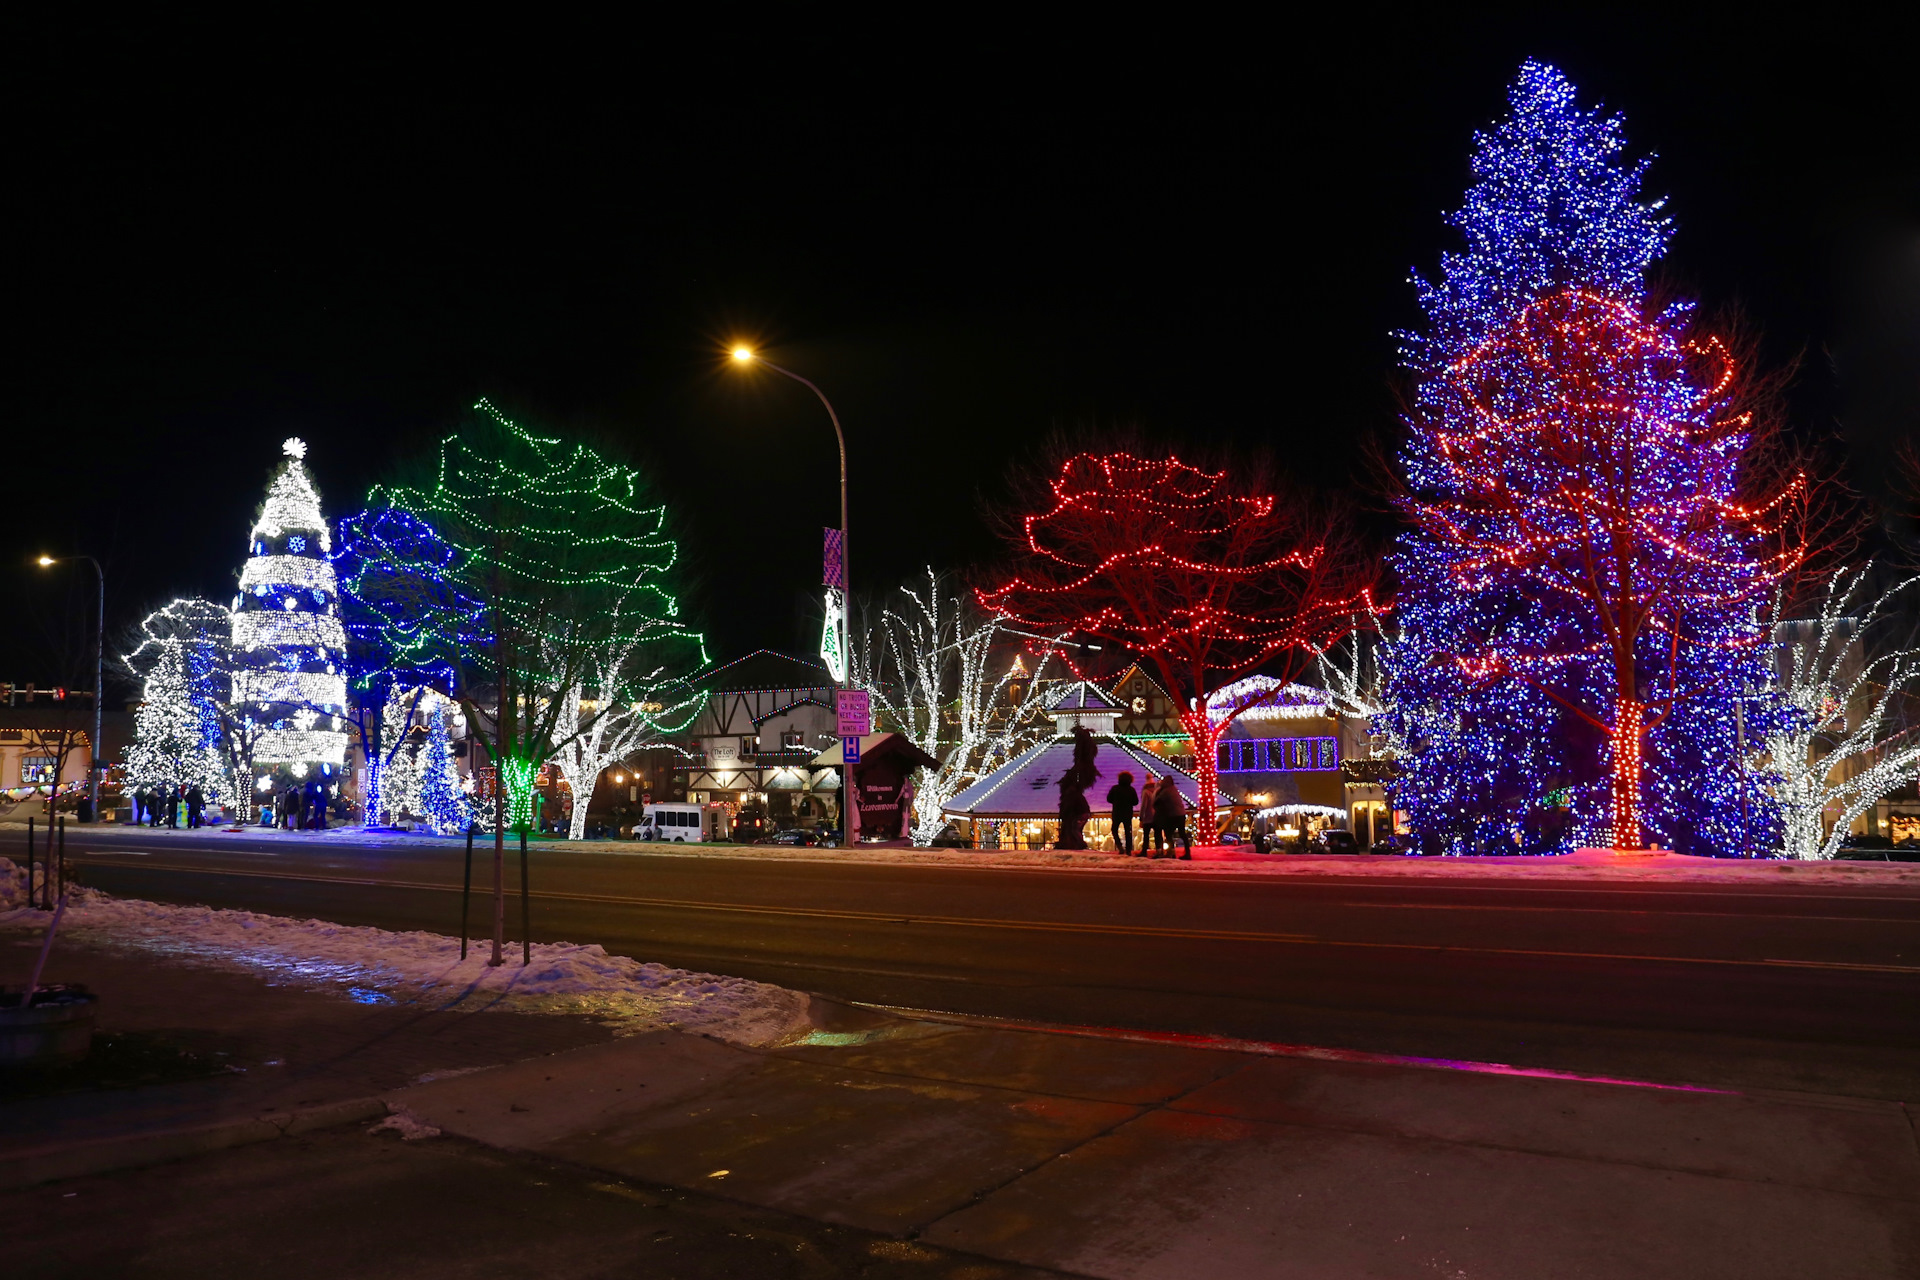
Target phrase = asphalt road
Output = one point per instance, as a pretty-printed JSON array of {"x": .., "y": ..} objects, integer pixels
[{"x": 1750, "y": 986}]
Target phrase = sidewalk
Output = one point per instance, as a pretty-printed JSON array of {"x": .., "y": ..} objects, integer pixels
[
  {"x": 1119, "y": 1159},
  {"x": 1094, "y": 1156},
  {"x": 1666, "y": 868}
]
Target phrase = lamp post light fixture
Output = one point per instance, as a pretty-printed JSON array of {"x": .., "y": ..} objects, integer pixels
[
  {"x": 95, "y": 761},
  {"x": 744, "y": 355}
]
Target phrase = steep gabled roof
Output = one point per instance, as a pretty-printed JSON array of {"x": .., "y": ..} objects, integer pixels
[
  {"x": 1083, "y": 695},
  {"x": 765, "y": 669}
]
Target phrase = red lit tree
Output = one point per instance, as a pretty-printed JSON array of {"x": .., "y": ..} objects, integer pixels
[
  {"x": 1596, "y": 515},
  {"x": 1207, "y": 575}
]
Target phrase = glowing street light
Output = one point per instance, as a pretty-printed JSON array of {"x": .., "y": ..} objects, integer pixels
[
  {"x": 744, "y": 355},
  {"x": 95, "y": 761}
]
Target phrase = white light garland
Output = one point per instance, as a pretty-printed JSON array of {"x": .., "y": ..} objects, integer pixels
[
  {"x": 301, "y": 746},
  {"x": 289, "y": 571},
  {"x": 257, "y": 628},
  {"x": 317, "y": 689}
]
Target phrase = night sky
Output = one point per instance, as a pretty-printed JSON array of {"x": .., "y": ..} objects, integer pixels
[{"x": 969, "y": 237}]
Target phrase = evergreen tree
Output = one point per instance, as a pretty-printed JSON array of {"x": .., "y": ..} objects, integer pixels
[
  {"x": 287, "y": 637},
  {"x": 176, "y": 728},
  {"x": 1590, "y": 546}
]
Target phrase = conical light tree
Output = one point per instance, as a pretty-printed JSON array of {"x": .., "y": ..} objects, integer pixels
[{"x": 289, "y": 646}]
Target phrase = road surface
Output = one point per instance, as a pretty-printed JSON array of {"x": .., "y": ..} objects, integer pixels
[{"x": 1753, "y": 986}]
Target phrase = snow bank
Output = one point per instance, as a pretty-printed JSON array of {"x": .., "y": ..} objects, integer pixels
[{"x": 375, "y": 966}]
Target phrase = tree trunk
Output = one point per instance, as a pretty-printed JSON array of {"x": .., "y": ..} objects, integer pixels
[
  {"x": 1625, "y": 741},
  {"x": 1206, "y": 738}
]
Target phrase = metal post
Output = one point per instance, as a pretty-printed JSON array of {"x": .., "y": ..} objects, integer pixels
[
  {"x": 29, "y": 862},
  {"x": 466, "y": 891},
  {"x": 95, "y": 751},
  {"x": 63, "y": 857},
  {"x": 526, "y": 909}
]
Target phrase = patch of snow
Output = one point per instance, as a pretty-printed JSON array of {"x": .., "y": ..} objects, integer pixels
[
  {"x": 375, "y": 965},
  {"x": 407, "y": 1126}
]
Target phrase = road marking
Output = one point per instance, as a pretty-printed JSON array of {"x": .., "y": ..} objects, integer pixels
[
  {"x": 1060, "y": 926},
  {"x": 1275, "y": 1049}
]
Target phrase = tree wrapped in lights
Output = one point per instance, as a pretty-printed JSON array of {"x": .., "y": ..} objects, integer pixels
[
  {"x": 509, "y": 570},
  {"x": 416, "y": 777},
  {"x": 177, "y": 728},
  {"x": 1208, "y": 575},
  {"x": 1851, "y": 745},
  {"x": 1595, "y": 522},
  {"x": 289, "y": 678},
  {"x": 952, "y": 680},
  {"x": 631, "y": 698}
]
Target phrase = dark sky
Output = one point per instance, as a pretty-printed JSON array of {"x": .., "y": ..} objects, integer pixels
[{"x": 221, "y": 236}]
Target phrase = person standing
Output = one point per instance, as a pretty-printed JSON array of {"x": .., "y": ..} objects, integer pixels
[
  {"x": 1148, "y": 815},
  {"x": 1171, "y": 811},
  {"x": 1123, "y": 799},
  {"x": 196, "y": 801}
]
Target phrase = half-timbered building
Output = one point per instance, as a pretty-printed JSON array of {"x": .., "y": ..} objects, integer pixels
[{"x": 752, "y": 747}]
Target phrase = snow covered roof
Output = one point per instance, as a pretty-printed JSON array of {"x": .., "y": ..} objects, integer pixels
[
  {"x": 1083, "y": 695},
  {"x": 1028, "y": 786}
]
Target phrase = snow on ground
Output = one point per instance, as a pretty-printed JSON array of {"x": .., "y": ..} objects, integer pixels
[{"x": 376, "y": 966}]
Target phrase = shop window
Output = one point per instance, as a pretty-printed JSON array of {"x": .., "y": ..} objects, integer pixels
[{"x": 36, "y": 770}]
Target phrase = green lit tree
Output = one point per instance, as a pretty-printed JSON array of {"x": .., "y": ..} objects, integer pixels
[{"x": 507, "y": 573}]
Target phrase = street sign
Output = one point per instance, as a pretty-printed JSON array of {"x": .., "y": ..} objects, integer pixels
[
  {"x": 850, "y": 749},
  {"x": 854, "y": 710}
]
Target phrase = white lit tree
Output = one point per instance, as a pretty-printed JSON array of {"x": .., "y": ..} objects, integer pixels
[
  {"x": 177, "y": 728},
  {"x": 1851, "y": 745},
  {"x": 287, "y": 635},
  {"x": 954, "y": 681},
  {"x": 1349, "y": 671},
  {"x": 630, "y": 699}
]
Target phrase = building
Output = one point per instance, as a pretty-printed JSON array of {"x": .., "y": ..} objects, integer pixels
[
  {"x": 44, "y": 739},
  {"x": 1017, "y": 806},
  {"x": 751, "y": 749}
]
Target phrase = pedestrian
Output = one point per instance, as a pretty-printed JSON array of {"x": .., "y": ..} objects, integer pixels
[
  {"x": 1170, "y": 810},
  {"x": 1149, "y": 828},
  {"x": 141, "y": 802},
  {"x": 175, "y": 794},
  {"x": 196, "y": 801},
  {"x": 1123, "y": 799}
]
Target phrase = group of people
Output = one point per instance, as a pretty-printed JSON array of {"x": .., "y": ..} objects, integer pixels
[
  {"x": 303, "y": 808},
  {"x": 1163, "y": 817},
  {"x": 162, "y": 806}
]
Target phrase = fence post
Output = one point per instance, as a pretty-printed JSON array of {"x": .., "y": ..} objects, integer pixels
[{"x": 466, "y": 892}]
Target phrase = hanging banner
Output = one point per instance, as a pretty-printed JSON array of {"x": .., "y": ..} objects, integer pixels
[
  {"x": 833, "y": 637},
  {"x": 833, "y": 559}
]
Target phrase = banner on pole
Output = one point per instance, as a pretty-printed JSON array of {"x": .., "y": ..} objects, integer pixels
[{"x": 833, "y": 559}]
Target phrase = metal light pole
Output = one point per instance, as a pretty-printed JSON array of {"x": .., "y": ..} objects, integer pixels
[
  {"x": 746, "y": 355},
  {"x": 94, "y": 758}
]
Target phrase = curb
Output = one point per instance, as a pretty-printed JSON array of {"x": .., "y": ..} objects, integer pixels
[{"x": 110, "y": 1155}]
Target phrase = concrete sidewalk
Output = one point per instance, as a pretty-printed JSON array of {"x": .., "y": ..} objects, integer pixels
[{"x": 1117, "y": 1159}]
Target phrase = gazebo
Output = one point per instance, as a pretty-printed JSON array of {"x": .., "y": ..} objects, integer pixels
[{"x": 1017, "y": 806}]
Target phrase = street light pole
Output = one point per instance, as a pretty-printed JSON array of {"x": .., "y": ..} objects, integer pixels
[
  {"x": 746, "y": 355},
  {"x": 94, "y": 758}
]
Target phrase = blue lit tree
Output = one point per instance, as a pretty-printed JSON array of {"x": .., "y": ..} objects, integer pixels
[{"x": 1595, "y": 520}]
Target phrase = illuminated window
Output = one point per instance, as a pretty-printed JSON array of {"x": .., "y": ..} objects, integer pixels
[{"x": 36, "y": 770}]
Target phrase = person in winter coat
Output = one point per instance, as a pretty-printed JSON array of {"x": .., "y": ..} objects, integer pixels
[
  {"x": 1149, "y": 823},
  {"x": 1123, "y": 799},
  {"x": 1170, "y": 811},
  {"x": 196, "y": 801}
]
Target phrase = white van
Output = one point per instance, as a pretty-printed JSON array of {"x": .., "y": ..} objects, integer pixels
[{"x": 675, "y": 823}]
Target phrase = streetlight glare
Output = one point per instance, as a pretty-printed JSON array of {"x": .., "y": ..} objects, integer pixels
[
  {"x": 46, "y": 560},
  {"x": 742, "y": 354}
]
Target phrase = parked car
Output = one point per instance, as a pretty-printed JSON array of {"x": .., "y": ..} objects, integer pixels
[
  {"x": 796, "y": 838},
  {"x": 1336, "y": 841},
  {"x": 1229, "y": 837}
]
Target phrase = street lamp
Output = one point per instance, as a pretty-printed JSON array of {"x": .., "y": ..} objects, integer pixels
[
  {"x": 745, "y": 355},
  {"x": 94, "y": 758}
]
